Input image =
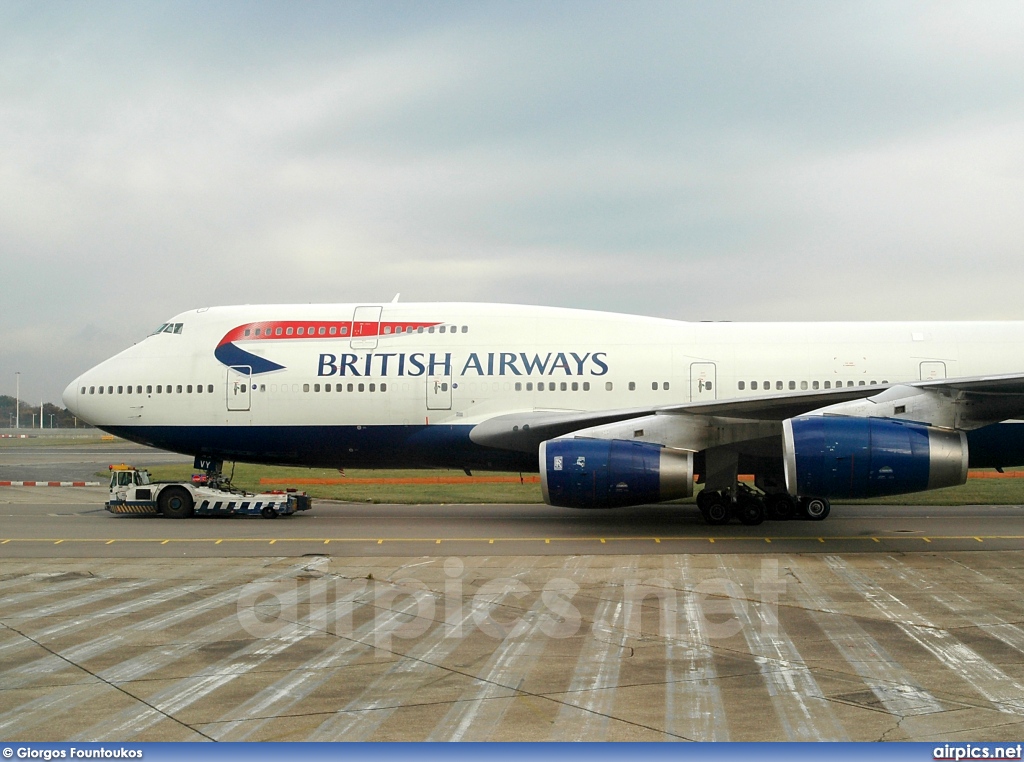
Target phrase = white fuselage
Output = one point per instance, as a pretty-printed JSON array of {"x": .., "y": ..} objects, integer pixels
[{"x": 410, "y": 366}]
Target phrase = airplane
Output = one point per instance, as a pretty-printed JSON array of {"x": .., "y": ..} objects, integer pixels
[{"x": 612, "y": 410}]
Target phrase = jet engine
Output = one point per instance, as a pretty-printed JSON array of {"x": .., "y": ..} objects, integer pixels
[
  {"x": 846, "y": 457},
  {"x": 610, "y": 473}
]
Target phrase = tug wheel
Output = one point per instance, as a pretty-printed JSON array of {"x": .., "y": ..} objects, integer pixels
[{"x": 176, "y": 503}]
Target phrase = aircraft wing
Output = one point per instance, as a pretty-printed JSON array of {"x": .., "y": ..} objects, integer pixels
[{"x": 955, "y": 403}]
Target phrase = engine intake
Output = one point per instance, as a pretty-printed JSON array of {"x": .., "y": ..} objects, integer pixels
[
  {"x": 610, "y": 473},
  {"x": 841, "y": 456}
]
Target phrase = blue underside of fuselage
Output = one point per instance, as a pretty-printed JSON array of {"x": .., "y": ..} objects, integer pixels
[
  {"x": 999, "y": 445},
  {"x": 436, "y": 446}
]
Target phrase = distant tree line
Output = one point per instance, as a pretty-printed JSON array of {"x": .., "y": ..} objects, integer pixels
[{"x": 62, "y": 417}]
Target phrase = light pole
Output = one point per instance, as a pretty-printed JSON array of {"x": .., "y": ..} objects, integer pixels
[
  {"x": 51, "y": 420},
  {"x": 17, "y": 399}
]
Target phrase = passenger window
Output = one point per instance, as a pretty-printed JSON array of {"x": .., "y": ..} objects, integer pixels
[
  {"x": 664, "y": 386},
  {"x": 301, "y": 331},
  {"x": 92, "y": 390},
  {"x": 247, "y": 331},
  {"x": 322, "y": 331},
  {"x": 316, "y": 387},
  {"x": 519, "y": 386},
  {"x": 828, "y": 384},
  {"x": 540, "y": 386},
  {"x": 741, "y": 385},
  {"x": 607, "y": 386},
  {"x": 189, "y": 388},
  {"x": 430, "y": 330},
  {"x": 129, "y": 390},
  {"x": 83, "y": 390},
  {"x": 199, "y": 389},
  {"x": 361, "y": 387},
  {"x": 344, "y": 330},
  {"x": 350, "y": 387},
  {"x": 465, "y": 329},
  {"x": 120, "y": 390},
  {"x": 289, "y": 331},
  {"x": 814, "y": 384},
  {"x": 767, "y": 385},
  {"x": 256, "y": 332},
  {"x": 654, "y": 386},
  {"x": 778, "y": 385},
  {"x": 441, "y": 329},
  {"x": 792, "y": 385},
  {"x": 305, "y": 387},
  {"x": 419, "y": 330},
  {"x": 849, "y": 383},
  {"x": 334, "y": 329},
  {"x": 373, "y": 387},
  {"x": 753, "y": 385},
  {"x": 632, "y": 386},
  {"x": 159, "y": 389},
  {"x": 575, "y": 386},
  {"x": 101, "y": 390},
  {"x": 803, "y": 385},
  {"x": 209, "y": 388},
  {"x": 327, "y": 387},
  {"x": 564, "y": 386},
  {"x": 529, "y": 386},
  {"x": 179, "y": 388},
  {"x": 860, "y": 383},
  {"x": 277, "y": 331},
  {"x": 707, "y": 385},
  {"x": 586, "y": 386},
  {"x": 263, "y": 387},
  {"x": 383, "y": 387}
]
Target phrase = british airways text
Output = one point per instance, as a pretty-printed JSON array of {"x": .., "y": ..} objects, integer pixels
[{"x": 480, "y": 364}]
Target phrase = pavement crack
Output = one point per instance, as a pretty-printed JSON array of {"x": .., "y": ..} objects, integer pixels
[{"x": 103, "y": 680}]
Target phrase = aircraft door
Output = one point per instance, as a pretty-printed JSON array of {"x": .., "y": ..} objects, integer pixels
[
  {"x": 238, "y": 387},
  {"x": 365, "y": 327},
  {"x": 932, "y": 370},
  {"x": 703, "y": 383},
  {"x": 439, "y": 392}
]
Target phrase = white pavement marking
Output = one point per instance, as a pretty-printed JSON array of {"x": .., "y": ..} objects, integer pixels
[
  {"x": 362, "y": 716},
  {"x": 996, "y": 626},
  {"x": 693, "y": 701},
  {"x": 57, "y": 589},
  {"x": 292, "y": 689},
  {"x": 477, "y": 713},
  {"x": 1006, "y": 694},
  {"x": 40, "y": 710},
  {"x": 803, "y": 711},
  {"x": 597, "y": 669},
  {"x": 891, "y": 683}
]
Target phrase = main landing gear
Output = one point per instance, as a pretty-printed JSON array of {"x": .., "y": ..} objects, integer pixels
[{"x": 751, "y": 507}]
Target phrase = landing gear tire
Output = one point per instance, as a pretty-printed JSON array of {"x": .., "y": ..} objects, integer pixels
[
  {"x": 716, "y": 512},
  {"x": 780, "y": 507},
  {"x": 751, "y": 512},
  {"x": 268, "y": 513},
  {"x": 704, "y": 498},
  {"x": 176, "y": 503},
  {"x": 816, "y": 508}
]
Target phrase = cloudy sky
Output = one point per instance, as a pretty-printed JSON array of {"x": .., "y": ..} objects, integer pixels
[{"x": 693, "y": 160}]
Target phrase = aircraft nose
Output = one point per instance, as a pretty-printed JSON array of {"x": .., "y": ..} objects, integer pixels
[{"x": 70, "y": 397}]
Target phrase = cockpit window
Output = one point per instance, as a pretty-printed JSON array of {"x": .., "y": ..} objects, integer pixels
[{"x": 168, "y": 328}]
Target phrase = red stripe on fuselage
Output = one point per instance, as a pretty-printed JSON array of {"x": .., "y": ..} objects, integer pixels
[{"x": 320, "y": 329}]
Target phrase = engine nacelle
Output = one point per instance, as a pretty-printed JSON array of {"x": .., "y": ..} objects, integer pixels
[
  {"x": 841, "y": 456},
  {"x": 610, "y": 473}
]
